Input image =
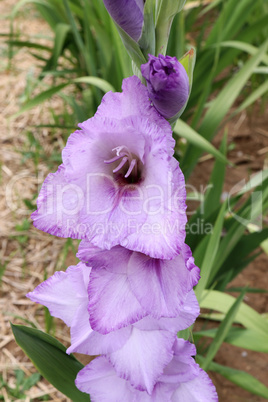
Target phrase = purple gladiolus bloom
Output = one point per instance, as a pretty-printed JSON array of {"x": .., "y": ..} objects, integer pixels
[
  {"x": 119, "y": 183},
  {"x": 167, "y": 83},
  {"x": 128, "y": 14},
  {"x": 132, "y": 350},
  {"x": 182, "y": 380},
  {"x": 126, "y": 286}
]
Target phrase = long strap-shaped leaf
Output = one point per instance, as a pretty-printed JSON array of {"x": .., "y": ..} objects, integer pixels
[
  {"x": 246, "y": 316},
  {"x": 220, "y": 107},
  {"x": 50, "y": 358},
  {"x": 183, "y": 130},
  {"x": 241, "y": 337},
  {"x": 222, "y": 331},
  {"x": 238, "y": 377}
]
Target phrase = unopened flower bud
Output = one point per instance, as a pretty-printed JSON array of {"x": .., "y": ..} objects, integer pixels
[
  {"x": 167, "y": 83},
  {"x": 128, "y": 14}
]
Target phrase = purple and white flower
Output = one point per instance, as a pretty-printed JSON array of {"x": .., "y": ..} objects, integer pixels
[
  {"x": 167, "y": 83},
  {"x": 119, "y": 183},
  {"x": 182, "y": 380}
]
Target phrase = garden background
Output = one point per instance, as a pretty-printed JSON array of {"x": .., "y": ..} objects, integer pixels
[{"x": 45, "y": 56}]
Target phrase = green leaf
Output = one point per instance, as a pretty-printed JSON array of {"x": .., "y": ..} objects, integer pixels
[
  {"x": 40, "y": 99},
  {"x": 122, "y": 55},
  {"x": 254, "y": 181},
  {"x": 132, "y": 47},
  {"x": 240, "y": 337},
  {"x": 222, "y": 331},
  {"x": 220, "y": 107},
  {"x": 188, "y": 62},
  {"x": 245, "y": 47},
  {"x": 105, "y": 86},
  {"x": 183, "y": 130},
  {"x": 19, "y": 376},
  {"x": 258, "y": 93},
  {"x": 77, "y": 37},
  {"x": 24, "y": 2},
  {"x": 61, "y": 32},
  {"x": 211, "y": 5},
  {"x": 236, "y": 226},
  {"x": 50, "y": 358},
  {"x": 165, "y": 13},
  {"x": 216, "y": 182},
  {"x": 227, "y": 56},
  {"x": 214, "y": 300},
  {"x": 211, "y": 205},
  {"x": 245, "y": 247},
  {"x": 238, "y": 377},
  {"x": 210, "y": 252},
  {"x": 232, "y": 17},
  {"x": 249, "y": 290},
  {"x": 33, "y": 45},
  {"x": 30, "y": 381},
  {"x": 147, "y": 40}
]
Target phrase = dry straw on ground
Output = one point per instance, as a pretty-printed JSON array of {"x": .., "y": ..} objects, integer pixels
[{"x": 23, "y": 263}]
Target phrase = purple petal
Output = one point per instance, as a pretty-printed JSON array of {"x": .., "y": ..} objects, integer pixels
[
  {"x": 114, "y": 260},
  {"x": 112, "y": 305},
  {"x": 99, "y": 379},
  {"x": 86, "y": 250},
  {"x": 192, "y": 268},
  {"x": 200, "y": 389},
  {"x": 161, "y": 286},
  {"x": 59, "y": 295},
  {"x": 133, "y": 101},
  {"x": 159, "y": 230},
  {"x": 182, "y": 367},
  {"x": 186, "y": 318},
  {"x": 143, "y": 357},
  {"x": 128, "y": 14},
  {"x": 189, "y": 313},
  {"x": 188, "y": 381},
  {"x": 58, "y": 206},
  {"x": 85, "y": 340}
]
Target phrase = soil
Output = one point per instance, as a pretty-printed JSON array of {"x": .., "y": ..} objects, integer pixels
[{"x": 26, "y": 256}]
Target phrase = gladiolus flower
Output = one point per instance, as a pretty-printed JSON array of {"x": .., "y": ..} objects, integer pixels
[{"x": 118, "y": 183}]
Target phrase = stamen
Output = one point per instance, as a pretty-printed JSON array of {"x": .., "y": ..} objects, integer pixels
[
  {"x": 132, "y": 165},
  {"x": 121, "y": 164},
  {"x": 116, "y": 158},
  {"x": 123, "y": 153}
]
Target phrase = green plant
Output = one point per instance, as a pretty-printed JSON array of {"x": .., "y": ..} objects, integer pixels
[{"x": 22, "y": 384}]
